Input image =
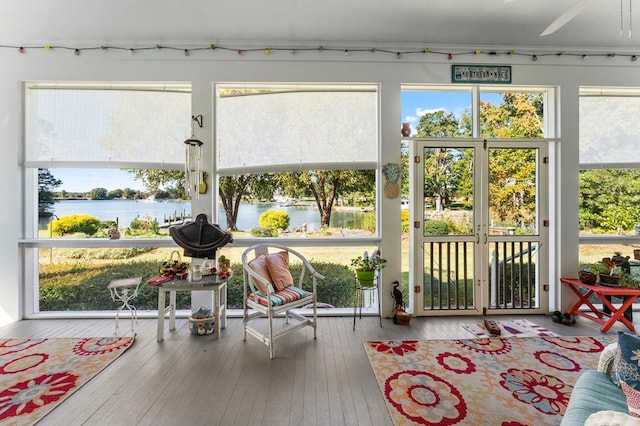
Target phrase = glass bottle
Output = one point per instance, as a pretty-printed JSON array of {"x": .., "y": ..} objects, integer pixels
[{"x": 196, "y": 273}]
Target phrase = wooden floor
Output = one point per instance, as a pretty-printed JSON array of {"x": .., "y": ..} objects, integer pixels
[{"x": 195, "y": 380}]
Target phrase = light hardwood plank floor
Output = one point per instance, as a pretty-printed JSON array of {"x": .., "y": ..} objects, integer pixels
[{"x": 197, "y": 380}]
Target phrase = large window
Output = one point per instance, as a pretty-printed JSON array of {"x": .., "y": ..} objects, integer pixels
[
  {"x": 609, "y": 215},
  {"x": 306, "y": 154},
  {"x": 102, "y": 156}
]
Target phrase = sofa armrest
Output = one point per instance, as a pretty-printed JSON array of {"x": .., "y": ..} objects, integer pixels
[
  {"x": 611, "y": 418},
  {"x": 605, "y": 365}
]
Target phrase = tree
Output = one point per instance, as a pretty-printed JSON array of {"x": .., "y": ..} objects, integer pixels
[
  {"x": 153, "y": 179},
  {"x": 46, "y": 185},
  {"x": 512, "y": 188},
  {"x": 231, "y": 189},
  {"x": 442, "y": 173},
  {"x": 116, "y": 194},
  {"x": 98, "y": 194},
  {"x": 438, "y": 124},
  {"x": 609, "y": 199},
  {"x": 326, "y": 186},
  {"x": 519, "y": 115},
  {"x": 512, "y": 174},
  {"x": 130, "y": 194}
]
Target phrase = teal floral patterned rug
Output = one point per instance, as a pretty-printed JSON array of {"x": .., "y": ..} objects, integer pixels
[{"x": 486, "y": 381}]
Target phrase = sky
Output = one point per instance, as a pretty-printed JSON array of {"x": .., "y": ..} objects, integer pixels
[
  {"x": 84, "y": 180},
  {"x": 416, "y": 104},
  {"x": 413, "y": 106}
]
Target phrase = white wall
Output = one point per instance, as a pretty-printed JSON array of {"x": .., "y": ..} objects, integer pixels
[{"x": 202, "y": 69}]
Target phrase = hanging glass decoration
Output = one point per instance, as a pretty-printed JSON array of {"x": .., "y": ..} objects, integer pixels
[{"x": 193, "y": 161}]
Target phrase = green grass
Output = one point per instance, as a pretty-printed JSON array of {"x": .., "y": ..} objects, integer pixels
[{"x": 78, "y": 278}]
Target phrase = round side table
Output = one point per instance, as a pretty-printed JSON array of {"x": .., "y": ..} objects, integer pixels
[{"x": 123, "y": 291}]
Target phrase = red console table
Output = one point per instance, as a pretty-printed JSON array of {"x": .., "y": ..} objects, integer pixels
[{"x": 604, "y": 293}]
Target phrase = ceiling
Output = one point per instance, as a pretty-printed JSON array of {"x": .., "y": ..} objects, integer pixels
[{"x": 429, "y": 23}]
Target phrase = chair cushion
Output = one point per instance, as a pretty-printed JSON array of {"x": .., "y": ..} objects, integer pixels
[
  {"x": 278, "y": 264},
  {"x": 627, "y": 370},
  {"x": 259, "y": 266},
  {"x": 288, "y": 295}
]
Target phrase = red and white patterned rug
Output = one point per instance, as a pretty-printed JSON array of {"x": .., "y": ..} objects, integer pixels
[
  {"x": 489, "y": 381},
  {"x": 38, "y": 374}
]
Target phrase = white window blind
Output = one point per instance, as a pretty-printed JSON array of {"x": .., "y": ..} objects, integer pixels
[
  {"x": 609, "y": 128},
  {"x": 297, "y": 130},
  {"x": 118, "y": 126}
]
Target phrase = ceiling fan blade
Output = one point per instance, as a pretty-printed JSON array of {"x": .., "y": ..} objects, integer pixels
[{"x": 566, "y": 17}]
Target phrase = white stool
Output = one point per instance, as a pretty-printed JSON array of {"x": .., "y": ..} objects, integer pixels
[{"x": 124, "y": 290}]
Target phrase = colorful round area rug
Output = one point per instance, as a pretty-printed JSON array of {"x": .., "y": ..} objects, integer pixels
[
  {"x": 38, "y": 374},
  {"x": 489, "y": 381}
]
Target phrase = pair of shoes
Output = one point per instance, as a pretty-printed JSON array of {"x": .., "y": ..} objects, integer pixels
[
  {"x": 557, "y": 317},
  {"x": 568, "y": 319}
]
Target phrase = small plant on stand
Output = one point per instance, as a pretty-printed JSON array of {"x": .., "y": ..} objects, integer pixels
[{"x": 366, "y": 267}]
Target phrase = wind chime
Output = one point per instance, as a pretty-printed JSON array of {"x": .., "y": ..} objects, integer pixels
[{"x": 193, "y": 161}]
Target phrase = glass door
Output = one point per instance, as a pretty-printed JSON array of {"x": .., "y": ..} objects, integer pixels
[{"x": 477, "y": 238}]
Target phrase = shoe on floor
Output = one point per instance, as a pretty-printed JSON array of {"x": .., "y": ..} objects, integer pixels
[
  {"x": 568, "y": 319},
  {"x": 557, "y": 317}
]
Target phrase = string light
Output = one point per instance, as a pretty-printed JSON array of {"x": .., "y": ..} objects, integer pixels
[{"x": 633, "y": 57}]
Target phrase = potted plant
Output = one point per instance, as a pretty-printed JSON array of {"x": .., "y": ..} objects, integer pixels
[{"x": 366, "y": 267}]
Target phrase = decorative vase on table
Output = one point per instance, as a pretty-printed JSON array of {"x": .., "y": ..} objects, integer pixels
[{"x": 406, "y": 130}]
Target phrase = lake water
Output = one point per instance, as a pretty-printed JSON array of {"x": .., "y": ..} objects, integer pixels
[{"x": 127, "y": 210}]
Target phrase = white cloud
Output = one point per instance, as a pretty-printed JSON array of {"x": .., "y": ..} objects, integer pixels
[{"x": 422, "y": 112}]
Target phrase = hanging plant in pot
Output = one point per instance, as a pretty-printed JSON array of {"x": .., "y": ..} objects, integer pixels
[{"x": 366, "y": 267}]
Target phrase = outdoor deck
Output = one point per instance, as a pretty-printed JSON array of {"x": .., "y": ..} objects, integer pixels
[{"x": 196, "y": 380}]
